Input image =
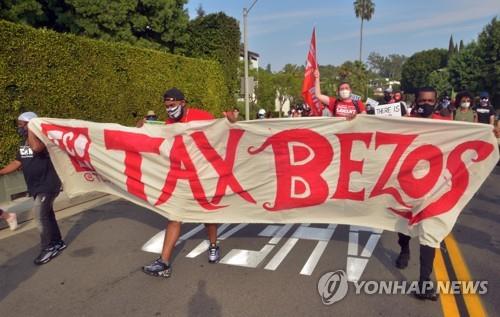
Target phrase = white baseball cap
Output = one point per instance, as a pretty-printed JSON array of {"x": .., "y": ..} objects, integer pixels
[{"x": 26, "y": 116}]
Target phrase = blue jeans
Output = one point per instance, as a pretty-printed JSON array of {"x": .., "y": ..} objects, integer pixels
[{"x": 43, "y": 209}]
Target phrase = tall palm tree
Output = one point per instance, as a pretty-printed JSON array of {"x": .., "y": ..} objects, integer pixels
[{"x": 364, "y": 9}]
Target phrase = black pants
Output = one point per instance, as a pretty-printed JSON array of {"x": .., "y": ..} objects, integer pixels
[
  {"x": 46, "y": 220},
  {"x": 426, "y": 256}
]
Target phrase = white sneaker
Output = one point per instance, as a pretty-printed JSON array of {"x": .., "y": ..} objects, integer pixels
[{"x": 12, "y": 221}]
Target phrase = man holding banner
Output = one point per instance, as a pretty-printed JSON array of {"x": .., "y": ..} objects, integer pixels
[
  {"x": 426, "y": 99},
  {"x": 175, "y": 104}
]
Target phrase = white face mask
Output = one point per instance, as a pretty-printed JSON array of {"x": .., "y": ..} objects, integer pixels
[
  {"x": 345, "y": 93},
  {"x": 465, "y": 105}
]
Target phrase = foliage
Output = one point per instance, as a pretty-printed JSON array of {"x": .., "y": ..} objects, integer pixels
[
  {"x": 66, "y": 76},
  {"x": 217, "y": 37},
  {"x": 387, "y": 66},
  {"x": 416, "y": 70},
  {"x": 146, "y": 23}
]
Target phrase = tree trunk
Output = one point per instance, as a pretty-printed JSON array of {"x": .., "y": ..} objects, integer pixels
[{"x": 361, "y": 40}]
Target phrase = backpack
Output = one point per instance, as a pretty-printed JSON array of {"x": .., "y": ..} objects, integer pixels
[{"x": 354, "y": 102}]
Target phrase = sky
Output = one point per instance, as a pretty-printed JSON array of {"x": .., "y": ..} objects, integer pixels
[{"x": 280, "y": 30}]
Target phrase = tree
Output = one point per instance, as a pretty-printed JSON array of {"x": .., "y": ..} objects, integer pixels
[
  {"x": 200, "y": 12},
  {"x": 417, "y": 68},
  {"x": 147, "y": 23},
  {"x": 461, "y": 47},
  {"x": 476, "y": 67},
  {"x": 440, "y": 80},
  {"x": 451, "y": 46},
  {"x": 364, "y": 9},
  {"x": 288, "y": 84},
  {"x": 217, "y": 36},
  {"x": 386, "y": 67},
  {"x": 464, "y": 69}
]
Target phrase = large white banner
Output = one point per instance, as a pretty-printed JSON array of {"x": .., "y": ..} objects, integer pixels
[{"x": 402, "y": 174}]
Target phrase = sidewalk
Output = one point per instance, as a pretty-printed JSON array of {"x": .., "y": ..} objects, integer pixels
[{"x": 22, "y": 207}]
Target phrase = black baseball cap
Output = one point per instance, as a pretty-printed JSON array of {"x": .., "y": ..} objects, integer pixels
[{"x": 173, "y": 94}]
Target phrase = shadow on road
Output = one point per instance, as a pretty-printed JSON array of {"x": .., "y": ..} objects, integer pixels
[{"x": 201, "y": 304}]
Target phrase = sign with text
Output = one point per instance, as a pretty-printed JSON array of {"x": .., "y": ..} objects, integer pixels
[
  {"x": 388, "y": 110},
  {"x": 398, "y": 174}
]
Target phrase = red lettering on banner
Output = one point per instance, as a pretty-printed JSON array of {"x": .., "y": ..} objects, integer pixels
[
  {"x": 402, "y": 142},
  {"x": 223, "y": 167},
  {"x": 300, "y": 157},
  {"x": 74, "y": 141},
  {"x": 179, "y": 157},
  {"x": 418, "y": 187},
  {"x": 459, "y": 179},
  {"x": 133, "y": 144},
  {"x": 347, "y": 165}
]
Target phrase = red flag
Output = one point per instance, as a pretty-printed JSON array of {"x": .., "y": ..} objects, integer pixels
[{"x": 308, "y": 89}]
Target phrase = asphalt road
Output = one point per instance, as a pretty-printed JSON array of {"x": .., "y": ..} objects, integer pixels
[{"x": 99, "y": 274}]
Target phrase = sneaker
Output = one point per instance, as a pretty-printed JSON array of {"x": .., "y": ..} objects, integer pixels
[
  {"x": 46, "y": 255},
  {"x": 213, "y": 253},
  {"x": 61, "y": 245},
  {"x": 402, "y": 260},
  {"x": 158, "y": 268},
  {"x": 428, "y": 293},
  {"x": 12, "y": 221}
]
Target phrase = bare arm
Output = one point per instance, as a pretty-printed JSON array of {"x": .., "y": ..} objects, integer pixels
[
  {"x": 492, "y": 120},
  {"x": 11, "y": 167},
  {"x": 323, "y": 98},
  {"x": 34, "y": 142}
]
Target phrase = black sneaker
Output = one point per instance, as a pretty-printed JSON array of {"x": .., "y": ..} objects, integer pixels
[
  {"x": 402, "y": 260},
  {"x": 213, "y": 253},
  {"x": 46, "y": 255},
  {"x": 60, "y": 245},
  {"x": 158, "y": 268},
  {"x": 426, "y": 292}
]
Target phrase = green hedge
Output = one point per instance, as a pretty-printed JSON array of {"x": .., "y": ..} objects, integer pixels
[{"x": 66, "y": 76}]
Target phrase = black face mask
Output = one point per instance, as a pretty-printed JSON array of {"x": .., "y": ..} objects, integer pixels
[
  {"x": 425, "y": 110},
  {"x": 22, "y": 132}
]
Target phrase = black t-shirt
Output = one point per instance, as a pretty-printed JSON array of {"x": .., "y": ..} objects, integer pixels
[
  {"x": 39, "y": 173},
  {"x": 484, "y": 113}
]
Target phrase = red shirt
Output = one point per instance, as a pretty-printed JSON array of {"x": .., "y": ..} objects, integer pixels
[
  {"x": 344, "y": 108},
  {"x": 192, "y": 114}
]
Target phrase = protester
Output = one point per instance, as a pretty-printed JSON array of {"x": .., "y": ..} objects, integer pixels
[
  {"x": 236, "y": 113},
  {"x": 426, "y": 106},
  {"x": 426, "y": 100},
  {"x": 484, "y": 110},
  {"x": 398, "y": 97},
  {"x": 345, "y": 106},
  {"x": 444, "y": 109},
  {"x": 388, "y": 96},
  {"x": 10, "y": 218},
  {"x": 464, "y": 110},
  {"x": 261, "y": 114},
  {"x": 151, "y": 116},
  {"x": 43, "y": 185},
  {"x": 178, "y": 111}
]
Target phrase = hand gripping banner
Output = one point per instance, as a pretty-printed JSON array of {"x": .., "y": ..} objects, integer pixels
[{"x": 401, "y": 174}]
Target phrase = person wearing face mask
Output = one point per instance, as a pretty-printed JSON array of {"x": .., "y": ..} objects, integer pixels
[
  {"x": 464, "y": 110},
  {"x": 484, "y": 110},
  {"x": 425, "y": 102},
  {"x": 179, "y": 112},
  {"x": 43, "y": 185},
  {"x": 344, "y": 106},
  {"x": 398, "y": 97}
]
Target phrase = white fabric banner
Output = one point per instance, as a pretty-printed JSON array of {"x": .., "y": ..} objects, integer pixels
[{"x": 401, "y": 174}]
